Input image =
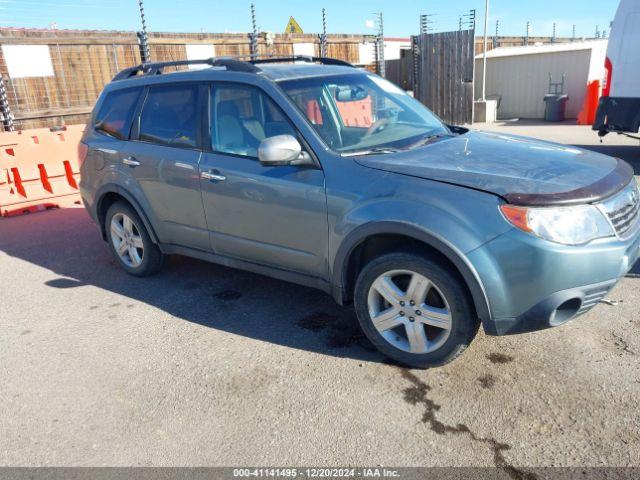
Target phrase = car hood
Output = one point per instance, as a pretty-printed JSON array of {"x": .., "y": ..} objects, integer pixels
[{"x": 522, "y": 170}]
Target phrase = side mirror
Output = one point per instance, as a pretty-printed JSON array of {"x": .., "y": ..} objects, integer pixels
[{"x": 282, "y": 150}]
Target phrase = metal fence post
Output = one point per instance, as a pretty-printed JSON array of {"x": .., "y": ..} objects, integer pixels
[
  {"x": 5, "y": 110},
  {"x": 323, "y": 36},
  {"x": 415, "y": 51},
  {"x": 253, "y": 36},
  {"x": 143, "y": 40},
  {"x": 380, "y": 65}
]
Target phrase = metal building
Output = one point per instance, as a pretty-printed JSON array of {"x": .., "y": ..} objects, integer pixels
[{"x": 519, "y": 76}]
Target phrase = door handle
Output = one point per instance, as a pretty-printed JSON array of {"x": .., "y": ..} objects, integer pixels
[
  {"x": 213, "y": 175},
  {"x": 130, "y": 161}
]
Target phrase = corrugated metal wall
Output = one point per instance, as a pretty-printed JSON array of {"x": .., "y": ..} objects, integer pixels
[{"x": 523, "y": 80}]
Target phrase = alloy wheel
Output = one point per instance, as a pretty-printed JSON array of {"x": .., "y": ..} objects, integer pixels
[
  {"x": 126, "y": 239},
  {"x": 409, "y": 311}
]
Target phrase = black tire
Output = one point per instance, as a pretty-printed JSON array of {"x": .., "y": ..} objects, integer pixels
[
  {"x": 464, "y": 322},
  {"x": 152, "y": 258}
]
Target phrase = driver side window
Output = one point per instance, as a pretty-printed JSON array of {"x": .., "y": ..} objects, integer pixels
[{"x": 242, "y": 116}]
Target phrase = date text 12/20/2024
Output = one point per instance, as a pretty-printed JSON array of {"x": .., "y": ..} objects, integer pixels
[{"x": 315, "y": 472}]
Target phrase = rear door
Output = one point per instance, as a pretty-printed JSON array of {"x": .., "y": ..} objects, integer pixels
[
  {"x": 162, "y": 158},
  {"x": 274, "y": 216}
]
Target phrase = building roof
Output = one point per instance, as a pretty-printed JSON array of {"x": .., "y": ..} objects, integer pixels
[{"x": 546, "y": 48}]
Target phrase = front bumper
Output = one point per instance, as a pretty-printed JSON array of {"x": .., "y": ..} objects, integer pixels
[{"x": 532, "y": 284}]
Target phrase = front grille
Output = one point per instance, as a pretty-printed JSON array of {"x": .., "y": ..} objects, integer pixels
[{"x": 623, "y": 209}]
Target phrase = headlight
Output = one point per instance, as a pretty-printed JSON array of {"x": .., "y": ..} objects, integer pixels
[{"x": 567, "y": 225}]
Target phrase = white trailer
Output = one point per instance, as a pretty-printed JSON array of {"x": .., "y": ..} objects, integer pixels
[{"x": 619, "y": 107}]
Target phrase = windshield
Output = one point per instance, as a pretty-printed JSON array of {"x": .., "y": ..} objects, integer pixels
[{"x": 363, "y": 113}]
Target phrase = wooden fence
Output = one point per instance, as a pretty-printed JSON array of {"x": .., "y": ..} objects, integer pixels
[
  {"x": 84, "y": 61},
  {"x": 445, "y": 69}
]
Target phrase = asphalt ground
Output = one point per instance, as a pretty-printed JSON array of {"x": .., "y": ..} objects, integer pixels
[{"x": 203, "y": 365}]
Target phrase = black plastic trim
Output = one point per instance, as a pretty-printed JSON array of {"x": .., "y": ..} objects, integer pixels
[
  {"x": 274, "y": 272},
  {"x": 603, "y": 188}
]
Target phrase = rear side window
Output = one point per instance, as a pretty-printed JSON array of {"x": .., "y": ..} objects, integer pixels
[
  {"x": 170, "y": 116},
  {"x": 116, "y": 113}
]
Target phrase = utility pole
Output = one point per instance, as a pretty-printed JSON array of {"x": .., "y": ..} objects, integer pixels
[
  {"x": 484, "y": 51},
  {"x": 143, "y": 40},
  {"x": 253, "y": 36},
  {"x": 323, "y": 36}
]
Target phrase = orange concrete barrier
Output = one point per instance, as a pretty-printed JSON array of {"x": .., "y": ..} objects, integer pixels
[
  {"x": 357, "y": 113},
  {"x": 39, "y": 169},
  {"x": 588, "y": 113}
]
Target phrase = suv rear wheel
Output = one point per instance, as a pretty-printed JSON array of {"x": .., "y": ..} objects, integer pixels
[
  {"x": 414, "y": 309},
  {"x": 130, "y": 242}
]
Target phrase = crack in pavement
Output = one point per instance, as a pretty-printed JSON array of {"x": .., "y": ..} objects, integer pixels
[
  {"x": 621, "y": 344},
  {"x": 417, "y": 394}
]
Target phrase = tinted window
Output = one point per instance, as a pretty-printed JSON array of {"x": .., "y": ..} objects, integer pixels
[
  {"x": 116, "y": 112},
  {"x": 243, "y": 116},
  {"x": 170, "y": 116}
]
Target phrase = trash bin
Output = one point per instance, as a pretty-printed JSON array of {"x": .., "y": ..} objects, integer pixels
[{"x": 555, "y": 107}]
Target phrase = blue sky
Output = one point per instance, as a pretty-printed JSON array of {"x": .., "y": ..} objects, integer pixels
[{"x": 401, "y": 16}]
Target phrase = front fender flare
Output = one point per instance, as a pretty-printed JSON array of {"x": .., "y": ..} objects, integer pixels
[{"x": 357, "y": 236}]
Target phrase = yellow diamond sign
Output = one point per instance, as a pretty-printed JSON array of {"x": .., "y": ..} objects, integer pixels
[{"x": 293, "y": 26}]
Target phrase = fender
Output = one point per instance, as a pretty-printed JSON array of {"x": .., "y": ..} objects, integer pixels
[
  {"x": 357, "y": 236},
  {"x": 114, "y": 188}
]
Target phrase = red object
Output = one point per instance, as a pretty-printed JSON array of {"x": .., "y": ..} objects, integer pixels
[
  {"x": 590, "y": 107},
  {"x": 608, "y": 66},
  {"x": 358, "y": 113}
]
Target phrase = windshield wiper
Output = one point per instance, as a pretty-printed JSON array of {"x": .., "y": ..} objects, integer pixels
[{"x": 371, "y": 151}]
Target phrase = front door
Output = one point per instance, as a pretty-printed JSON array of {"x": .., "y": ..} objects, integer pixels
[{"x": 274, "y": 216}]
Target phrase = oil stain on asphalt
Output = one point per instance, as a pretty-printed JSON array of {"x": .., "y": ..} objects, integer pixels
[
  {"x": 343, "y": 329},
  {"x": 417, "y": 393},
  {"x": 499, "y": 358},
  {"x": 487, "y": 381}
]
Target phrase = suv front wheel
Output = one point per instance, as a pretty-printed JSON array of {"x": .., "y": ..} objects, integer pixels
[
  {"x": 130, "y": 242},
  {"x": 414, "y": 309}
]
